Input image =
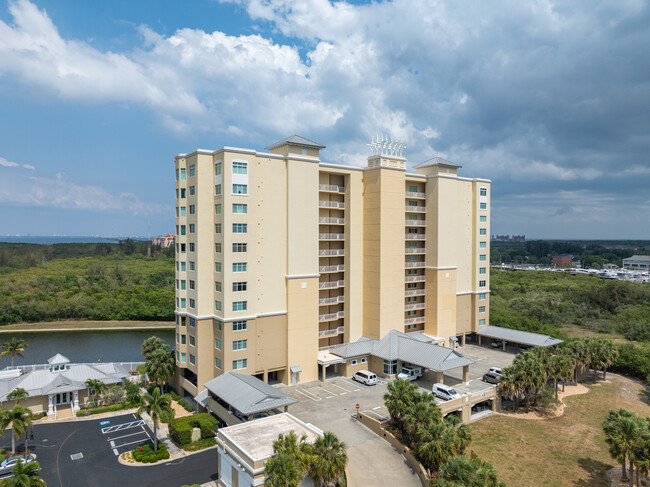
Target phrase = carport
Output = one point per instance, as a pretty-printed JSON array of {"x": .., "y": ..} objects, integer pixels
[{"x": 507, "y": 335}]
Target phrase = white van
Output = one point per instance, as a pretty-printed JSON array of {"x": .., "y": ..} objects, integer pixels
[
  {"x": 365, "y": 377},
  {"x": 410, "y": 373},
  {"x": 444, "y": 392}
]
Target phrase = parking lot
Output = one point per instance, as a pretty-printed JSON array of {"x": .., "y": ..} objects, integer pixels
[{"x": 123, "y": 437}]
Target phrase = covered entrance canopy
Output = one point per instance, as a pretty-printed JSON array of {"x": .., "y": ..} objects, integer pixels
[{"x": 517, "y": 336}]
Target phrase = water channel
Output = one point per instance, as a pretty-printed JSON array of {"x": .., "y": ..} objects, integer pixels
[{"x": 84, "y": 346}]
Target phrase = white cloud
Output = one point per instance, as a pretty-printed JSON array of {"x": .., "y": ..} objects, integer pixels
[
  {"x": 29, "y": 166},
  {"x": 4, "y": 162}
]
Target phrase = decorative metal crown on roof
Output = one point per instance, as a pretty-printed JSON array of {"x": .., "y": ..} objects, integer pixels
[{"x": 387, "y": 145}]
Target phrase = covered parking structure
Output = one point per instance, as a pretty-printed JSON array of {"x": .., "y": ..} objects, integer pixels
[
  {"x": 235, "y": 398},
  {"x": 525, "y": 338}
]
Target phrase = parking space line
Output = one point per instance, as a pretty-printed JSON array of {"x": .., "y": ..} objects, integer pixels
[
  {"x": 309, "y": 395},
  {"x": 340, "y": 387},
  {"x": 328, "y": 392},
  {"x": 116, "y": 452},
  {"x": 351, "y": 383},
  {"x": 123, "y": 426},
  {"x": 139, "y": 441},
  {"x": 377, "y": 407},
  {"x": 137, "y": 433}
]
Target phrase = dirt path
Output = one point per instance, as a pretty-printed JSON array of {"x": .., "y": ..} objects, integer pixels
[{"x": 570, "y": 390}]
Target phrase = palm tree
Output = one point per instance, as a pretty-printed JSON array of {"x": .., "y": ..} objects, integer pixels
[
  {"x": 150, "y": 345},
  {"x": 18, "y": 418},
  {"x": 467, "y": 471},
  {"x": 611, "y": 427},
  {"x": 18, "y": 393},
  {"x": 328, "y": 459},
  {"x": 400, "y": 394},
  {"x": 625, "y": 434},
  {"x": 282, "y": 471},
  {"x": 161, "y": 365},
  {"x": 420, "y": 413},
  {"x": 25, "y": 475},
  {"x": 297, "y": 448},
  {"x": 436, "y": 444},
  {"x": 95, "y": 389},
  {"x": 13, "y": 347},
  {"x": 463, "y": 433},
  {"x": 155, "y": 405},
  {"x": 560, "y": 366}
]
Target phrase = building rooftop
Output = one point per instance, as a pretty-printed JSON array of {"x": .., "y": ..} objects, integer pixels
[
  {"x": 518, "y": 336},
  {"x": 437, "y": 161},
  {"x": 642, "y": 258},
  {"x": 296, "y": 140}
]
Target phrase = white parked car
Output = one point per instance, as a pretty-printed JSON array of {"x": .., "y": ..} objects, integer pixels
[
  {"x": 410, "y": 373},
  {"x": 365, "y": 377},
  {"x": 495, "y": 370},
  {"x": 444, "y": 392}
]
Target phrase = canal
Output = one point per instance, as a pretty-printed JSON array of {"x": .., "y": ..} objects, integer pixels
[{"x": 84, "y": 346}]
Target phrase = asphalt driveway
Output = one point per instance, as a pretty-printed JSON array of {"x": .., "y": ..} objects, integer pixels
[{"x": 58, "y": 445}]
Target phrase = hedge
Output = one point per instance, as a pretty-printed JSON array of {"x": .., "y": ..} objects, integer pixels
[
  {"x": 180, "y": 429},
  {"x": 202, "y": 444},
  {"x": 145, "y": 454},
  {"x": 105, "y": 409},
  {"x": 187, "y": 406}
]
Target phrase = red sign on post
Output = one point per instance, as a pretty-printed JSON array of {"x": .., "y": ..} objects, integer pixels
[{"x": 357, "y": 406}]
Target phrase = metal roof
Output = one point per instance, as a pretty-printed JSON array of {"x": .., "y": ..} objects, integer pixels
[
  {"x": 202, "y": 398},
  {"x": 247, "y": 394},
  {"x": 518, "y": 336},
  {"x": 296, "y": 140},
  {"x": 401, "y": 346},
  {"x": 437, "y": 161},
  {"x": 58, "y": 359}
]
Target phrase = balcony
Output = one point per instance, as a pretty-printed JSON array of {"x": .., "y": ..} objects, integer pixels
[
  {"x": 415, "y": 264},
  {"x": 411, "y": 194},
  {"x": 415, "y": 292},
  {"x": 331, "y": 221},
  {"x": 331, "y": 252},
  {"x": 331, "y": 204},
  {"x": 414, "y": 321},
  {"x": 415, "y": 223},
  {"x": 331, "y": 301},
  {"x": 331, "y": 268},
  {"x": 415, "y": 236},
  {"x": 331, "y": 316},
  {"x": 331, "y": 333},
  {"x": 415, "y": 278},
  {"x": 413, "y": 306},
  {"x": 329, "y": 188},
  {"x": 416, "y": 250},
  {"x": 415, "y": 209},
  {"x": 331, "y": 236},
  {"x": 332, "y": 284}
]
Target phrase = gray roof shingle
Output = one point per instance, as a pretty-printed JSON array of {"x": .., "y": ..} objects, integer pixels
[
  {"x": 518, "y": 336},
  {"x": 296, "y": 140},
  {"x": 437, "y": 161}
]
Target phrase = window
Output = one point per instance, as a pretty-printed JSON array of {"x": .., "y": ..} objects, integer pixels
[
  {"x": 238, "y": 287},
  {"x": 413, "y": 188},
  {"x": 217, "y": 169},
  {"x": 191, "y": 246},
  {"x": 481, "y": 297},
  {"x": 411, "y": 327},
  {"x": 177, "y": 193},
  {"x": 218, "y": 344},
  {"x": 239, "y": 305},
  {"x": 482, "y": 270},
  {"x": 177, "y": 213},
  {"x": 178, "y": 356},
  {"x": 192, "y": 265},
  {"x": 217, "y": 286},
  {"x": 240, "y": 168},
  {"x": 353, "y": 363},
  {"x": 481, "y": 322},
  {"x": 217, "y": 209},
  {"x": 412, "y": 272},
  {"x": 364, "y": 360},
  {"x": 411, "y": 285},
  {"x": 183, "y": 339},
  {"x": 482, "y": 231},
  {"x": 413, "y": 258},
  {"x": 239, "y": 247},
  {"x": 217, "y": 305},
  {"x": 483, "y": 191},
  {"x": 182, "y": 193},
  {"x": 192, "y": 284},
  {"x": 183, "y": 303},
  {"x": 413, "y": 203},
  {"x": 192, "y": 303},
  {"x": 192, "y": 227},
  {"x": 217, "y": 247},
  {"x": 218, "y": 364},
  {"x": 390, "y": 367},
  {"x": 192, "y": 190},
  {"x": 176, "y": 174},
  {"x": 239, "y": 228},
  {"x": 483, "y": 206},
  {"x": 183, "y": 355},
  {"x": 239, "y": 325},
  {"x": 192, "y": 323},
  {"x": 217, "y": 228},
  {"x": 240, "y": 189},
  {"x": 183, "y": 174},
  {"x": 217, "y": 190},
  {"x": 177, "y": 338},
  {"x": 192, "y": 359},
  {"x": 481, "y": 309},
  {"x": 239, "y": 208},
  {"x": 413, "y": 217},
  {"x": 192, "y": 341},
  {"x": 240, "y": 345},
  {"x": 217, "y": 267},
  {"x": 239, "y": 364},
  {"x": 192, "y": 208},
  {"x": 483, "y": 219},
  {"x": 182, "y": 229},
  {"x": 183, "y": 319},
  {"x": 217, "y": 325},
  {"x": 192, "y": 170},
  {"x": 183, "y": 284},
  {"x": 411, "y": 313},
  {"x": 411, "y": 299},
  {"x": 481, "y": 283},
  {"x": 182, "y": 266},
  {"x": 239, "y": 266},
  {"x": 182, "y": 248},
  {"x": 412, "y": 244},
  {"x": 413, "y": 230},
  {"x": 482, "y": 257},
  {"x": 483, "y": 245}
]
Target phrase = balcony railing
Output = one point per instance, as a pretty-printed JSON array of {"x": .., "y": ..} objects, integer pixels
[
  {"x": 416, "y": 278},
  {"x": 415, "y": 236},
  {"x": 331, "y": 221},
  {"x": 415, "y": 223},
  {"x": 331, "y": 252},
  {"x": 331, "y": 301},
  {"x": 414, "y": 321},
  {"x": 411, "y": 194},
  {"x": 331, "y": 316},
  {"x": 332, "y": 284},
  {"x": 416, "y": 250},
  {"x": 331, "y": 268},
  {"x": 415, "y": 292},
  {"x": 331, "y": 204},
  {"x": 415, "y": 264},
  {"x": 331, "y": 188},
  {"x": 415, "y": 209},
  {"x": 413, "y": 306},
  {"x": 331, "y": 236},
  {"x": 331, "y": 333}
]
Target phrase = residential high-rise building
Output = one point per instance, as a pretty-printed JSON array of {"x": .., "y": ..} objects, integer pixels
[{"x": 280, "y": 255}]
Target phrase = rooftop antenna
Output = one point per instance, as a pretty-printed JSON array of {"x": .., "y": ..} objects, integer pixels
[{"x": 387, "y": 145}]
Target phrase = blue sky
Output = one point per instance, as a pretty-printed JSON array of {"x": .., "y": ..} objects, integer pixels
[{"x": 550, "y": 100}]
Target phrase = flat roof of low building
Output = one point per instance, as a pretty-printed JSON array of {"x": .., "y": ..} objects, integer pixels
[
  {"x": 255, "y": 438},
  {"x": 518, "y": 336}
]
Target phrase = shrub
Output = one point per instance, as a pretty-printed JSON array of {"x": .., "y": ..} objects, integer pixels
[
  {"x": 180, "y": 429},
  {"x": 104, "y": 409},
  {"x": 201, "y": 444},
  {"x": 187, "y": 406},
  {"x": 175, "y": 396},
  {"x": 38, "y": 416},
  {"x": 145, "y": 454}
]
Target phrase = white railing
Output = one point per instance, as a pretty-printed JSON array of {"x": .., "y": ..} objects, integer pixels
[
  {"x": 415, "y": 292},
  {"x": 331, "y": 252},
  {"x": 331, "y": 316},
  {"x": 410, "y": 307},
  {"x": 331, "y": 268},
  {"x": 415, "y": 209},
  {"x": 331, "y": 221},
  {"x": 415, "y": 236},
  {"x": 415, "y": 264},
  {"x": 331, "y": 188},
  {"x": 331, "y": 204},
  {"x": 30, "y": 368},
  {"x": 414, "y": 321},
  {"x": 331, "y": 333},
  {"x": 415, "y": 223},
  {"x": 331, "y": 236},
  {"x": 415, "y": 278},
  {"x": 411, "y": 194},
  {"x": 331, "y": 284},
  {"x": 416, "y": 251},
  {"x": 331, "y": 301}
]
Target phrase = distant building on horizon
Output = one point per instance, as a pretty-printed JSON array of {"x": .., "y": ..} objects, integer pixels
[
  {"x": 165, "y": 241},
  {"x": 639, "y": 262},
  {"x": 563, "y": 260},
  {"x": 508, "y": 238}
]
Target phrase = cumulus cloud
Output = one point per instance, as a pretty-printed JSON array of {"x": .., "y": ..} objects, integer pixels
[{"x": 4, "y": 162}]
